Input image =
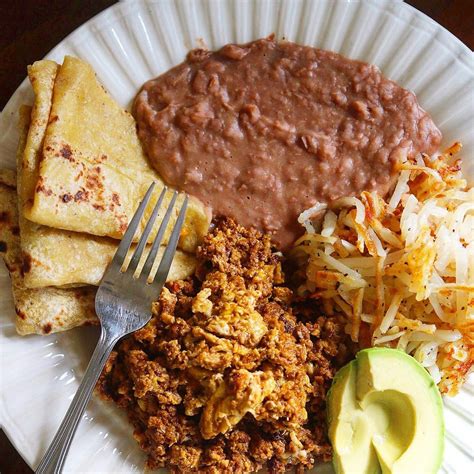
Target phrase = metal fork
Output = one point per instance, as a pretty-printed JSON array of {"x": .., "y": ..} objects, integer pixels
[{"x": 123, "y": 305}]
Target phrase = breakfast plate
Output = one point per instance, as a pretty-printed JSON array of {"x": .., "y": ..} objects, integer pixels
[{"x": 136, "y": 40}]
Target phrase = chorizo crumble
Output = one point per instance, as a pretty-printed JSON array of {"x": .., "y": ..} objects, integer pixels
[{"x": 231, "y": 373}]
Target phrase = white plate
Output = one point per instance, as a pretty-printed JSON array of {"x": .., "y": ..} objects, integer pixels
[{"x": 134, "y": 41}]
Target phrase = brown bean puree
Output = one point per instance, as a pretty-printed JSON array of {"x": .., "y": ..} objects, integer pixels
[{"x": 260, "y": 132}]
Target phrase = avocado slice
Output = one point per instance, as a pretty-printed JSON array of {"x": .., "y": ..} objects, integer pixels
[{"x": 385, "y": 415}]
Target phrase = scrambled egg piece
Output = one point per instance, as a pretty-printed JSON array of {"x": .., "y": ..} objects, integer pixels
[
  {"x": 231, "y": 373},
  {"x": 242, "y": 392}
]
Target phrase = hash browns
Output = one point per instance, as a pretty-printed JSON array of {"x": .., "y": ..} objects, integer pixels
[{"x": 401, "y": 270}]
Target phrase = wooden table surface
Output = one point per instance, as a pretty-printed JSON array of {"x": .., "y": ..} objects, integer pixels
[{"x": 29, "y": 29}]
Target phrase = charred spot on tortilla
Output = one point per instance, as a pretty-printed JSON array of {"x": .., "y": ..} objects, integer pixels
[
  {"x": 3, "y": 246},
  {"x": 47, "y": 328},
  {"x": 98, "y": 207},
  {"x": 26, "y": 263},
  {"x": 81, "y": 195},
  {"x": 93, "y": 180},
  {"x": 41, "y": 188},
  {"x": 66, "y": 152},
  {"x": 123, "y": 227},
  {"x": 20, "y": 313}
]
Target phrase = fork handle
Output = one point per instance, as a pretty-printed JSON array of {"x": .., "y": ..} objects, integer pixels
[{"x": 54, "y": 458}]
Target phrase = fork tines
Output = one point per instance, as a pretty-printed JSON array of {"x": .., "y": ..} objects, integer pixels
[{"x": 146, "y": 270}]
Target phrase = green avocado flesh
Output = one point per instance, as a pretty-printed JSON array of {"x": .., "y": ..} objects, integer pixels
[{"x": 385, "y": 415}]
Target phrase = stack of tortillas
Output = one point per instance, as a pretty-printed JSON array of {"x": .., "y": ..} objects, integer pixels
[{"x": 81, "y": 174}]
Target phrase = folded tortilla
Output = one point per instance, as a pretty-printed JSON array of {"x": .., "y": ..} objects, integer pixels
[
  {"x": 45, "y": 310},
  {"x": 51, "y": 257},
  {"x": 52, "y": 309},
  {"x": 40, "y": 310},
  {"x": 56, "y": 257},
  {"x": 93, "y": 172}
]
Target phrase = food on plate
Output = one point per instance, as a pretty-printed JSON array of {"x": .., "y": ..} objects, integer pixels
[
  {"x": 262, "y": 131},
  {"x": 401, "y": 270},
  {"x": 41, "y": 310},
  {"x": 53, "y": 255},
  {"x": 231, "y": 373},
  {"x": 41, "y": 75},
  {"x": 93, "y": 172},
  {"x": 384, "y": 410}
]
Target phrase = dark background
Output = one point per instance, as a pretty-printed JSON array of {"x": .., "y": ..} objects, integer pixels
[{"x": 30, "y": 28}]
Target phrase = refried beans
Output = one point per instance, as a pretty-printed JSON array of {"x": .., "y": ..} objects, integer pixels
[{"x": 262, "y": 131}]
